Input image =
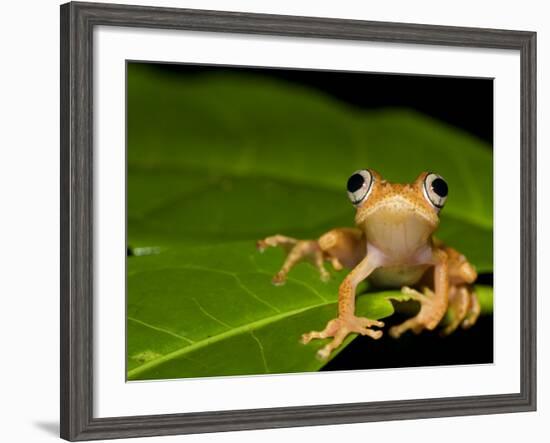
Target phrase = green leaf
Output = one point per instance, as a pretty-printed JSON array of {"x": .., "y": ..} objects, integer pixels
[
  {"x": 216, "y": 162},
  {"x": 212, "y": 310}
]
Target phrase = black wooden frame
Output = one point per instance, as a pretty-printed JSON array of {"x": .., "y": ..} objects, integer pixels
[{"x": 77, "y": 24}]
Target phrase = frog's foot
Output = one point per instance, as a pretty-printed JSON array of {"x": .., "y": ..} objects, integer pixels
[
  {"x": 428, "y": 317},
  {"x": 339, "y": 329},
  {"x": 274, "y": 241},
  {"x": 465, "y": 309},
  {"x": 336, "y": 264},
  {"x": 297, "y": 251}
]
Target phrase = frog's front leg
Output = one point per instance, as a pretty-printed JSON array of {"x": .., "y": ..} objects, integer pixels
[
  {"x": 297, "y": 250},
  {"x": 433, "y": 304},
  {"x": 343, "y": 247},
  {"x": 346, "y": 322}
]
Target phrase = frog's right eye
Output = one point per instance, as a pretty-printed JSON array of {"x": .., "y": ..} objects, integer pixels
[{"x": 359, "y": 186}]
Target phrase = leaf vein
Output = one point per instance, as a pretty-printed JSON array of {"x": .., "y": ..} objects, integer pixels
[
  {"x": 237, "y": 279},
  {"x": 210, "y": 316},
  {"x": 159, "y": 329},
  {"x": 262, "y": 352}
]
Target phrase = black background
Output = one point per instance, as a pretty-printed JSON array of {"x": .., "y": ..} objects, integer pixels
[
  {"x": 466, "y": 103},
  {"x": 463, "y": 102}
]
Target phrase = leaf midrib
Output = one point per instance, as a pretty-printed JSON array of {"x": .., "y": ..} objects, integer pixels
[{"x": 248, "y": 327}]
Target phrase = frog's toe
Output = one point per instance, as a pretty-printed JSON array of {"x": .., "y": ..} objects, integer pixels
[
  {"x": 473, "y": 312},
  {"x": 413, "y": 324},
  {"x": 325, "y": 277},
  {"x": 372, "y": 333},
  {"x": 329, "y": 331},
  {"x": 464, "y": 309},
  {"x": 397, "y": 331},
  {"x": 279, "y": 279},
  {"x": 264, "y": 243},
  {"x": 339, "y": 329},
  {"x": 464, "y": 313},
  {"x": 363, "y": 322},
  {"x": 308, "y": 336},
  {"x": 414, "y": 294},
  {"x": 326, "y": 350},
  {"x": 324, "y": 353}
]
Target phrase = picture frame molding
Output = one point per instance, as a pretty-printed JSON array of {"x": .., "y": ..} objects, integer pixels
[{"x": 76, "y": 212}]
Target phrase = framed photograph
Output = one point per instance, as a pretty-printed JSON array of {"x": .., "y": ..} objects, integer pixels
[{"x": 272, "y": 221}]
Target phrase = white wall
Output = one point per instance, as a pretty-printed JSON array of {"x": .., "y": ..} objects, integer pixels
[{"x": 29, "y": 187}]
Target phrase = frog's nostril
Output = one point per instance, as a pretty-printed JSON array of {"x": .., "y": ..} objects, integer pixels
[{"x": 355, "y": 182}]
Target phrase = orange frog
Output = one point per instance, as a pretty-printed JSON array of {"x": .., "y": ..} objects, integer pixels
[{"x": 391, "y": 246}]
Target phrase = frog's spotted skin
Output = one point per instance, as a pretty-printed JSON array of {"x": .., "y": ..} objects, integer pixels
[{"x": 392, "y": 246}]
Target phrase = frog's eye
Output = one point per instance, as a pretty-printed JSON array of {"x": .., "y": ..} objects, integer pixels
[
  {"x": 359, "y": 186},
  {"x": 435, "y": 190}
]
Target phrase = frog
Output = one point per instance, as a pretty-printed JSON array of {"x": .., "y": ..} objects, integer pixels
[{"x": 392, "y": 245}]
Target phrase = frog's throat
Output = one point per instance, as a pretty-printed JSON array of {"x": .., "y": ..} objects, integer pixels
[
  {"x": 399, "y": 229},
  {"x": 398, "y": 208}
]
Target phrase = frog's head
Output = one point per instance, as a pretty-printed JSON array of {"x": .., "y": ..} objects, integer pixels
[{"x": 394, "y": 212}]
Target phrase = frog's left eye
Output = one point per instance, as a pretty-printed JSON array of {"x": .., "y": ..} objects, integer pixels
[
  {"x": 435, "y": 190},
  {"x": 359, "y": 186}
]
